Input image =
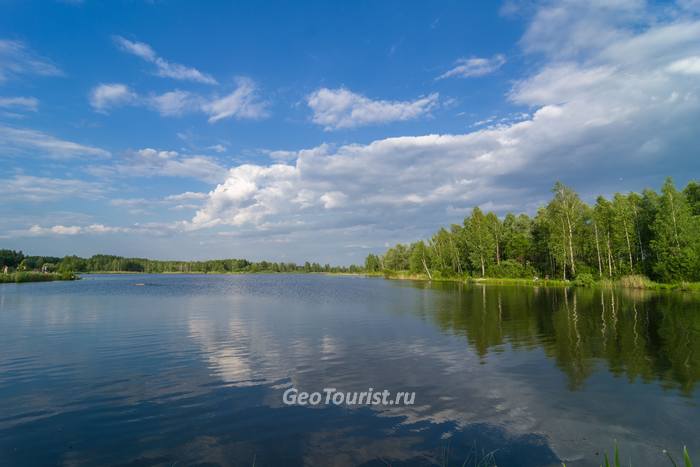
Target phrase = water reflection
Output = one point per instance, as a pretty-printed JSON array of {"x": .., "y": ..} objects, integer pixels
[
  {"x": 192, "y": 371},
  {"x": 641, "y": 335}
]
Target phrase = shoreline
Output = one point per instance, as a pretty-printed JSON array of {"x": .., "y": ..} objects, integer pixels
[{"x": 628, "y": 282}]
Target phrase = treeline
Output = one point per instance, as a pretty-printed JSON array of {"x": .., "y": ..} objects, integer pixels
[
  {"x": 652, "y": 234},
  {"x": 17, "y": 261}
]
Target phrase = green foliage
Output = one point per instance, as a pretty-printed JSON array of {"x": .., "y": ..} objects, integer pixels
[
  {"x": 647, "y": 234},
  {"x": 372, "y": 263},
  {"x": 19, "y": 277},
  {"x": 110, "y": 263},
  {"x": 584, "y": 279},
  {"x": 692, "y": 194},
  {"x": 480, "y": 242},
  {"x": 419, "y": 258},
  {"x": 511, "y": 268},
  {"x": 636, "y": 282},
  {"x": 675, "y": 242},
  {"x": 10, "y": 258}
]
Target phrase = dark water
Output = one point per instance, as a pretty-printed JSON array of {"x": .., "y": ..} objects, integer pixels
[{"x": 190, "y": 370}]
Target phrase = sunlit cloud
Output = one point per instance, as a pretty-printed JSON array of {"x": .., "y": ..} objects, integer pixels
[{"x": 341, "y": 108}]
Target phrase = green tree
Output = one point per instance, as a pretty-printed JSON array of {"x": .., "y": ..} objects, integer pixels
[
  {"x": 692, "y": 194},
  {"x": 673, "y": 243},
  {"x": 419, "y": 260},
  {"x": 517, "y": 237},
  {"x": 372, "y": 263},
  {"x": 567, "y": 209},
  {"x": 480, "y": 241}
]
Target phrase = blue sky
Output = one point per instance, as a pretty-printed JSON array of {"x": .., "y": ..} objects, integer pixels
[{"x": 323, "y": 131}]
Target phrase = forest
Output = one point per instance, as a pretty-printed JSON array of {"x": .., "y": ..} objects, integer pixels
[
  {"x": 17, "y": 261},
  {"x": 649, "y": 234}
]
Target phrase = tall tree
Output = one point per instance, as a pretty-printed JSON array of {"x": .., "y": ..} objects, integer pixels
[
  {"x": 567, "y": 206},
  {"x": 692, "y": 194},
  {"x": 480, "y": 241},
  {"x": 495, "y": 227},
  {"x": 674, "y": 243}
]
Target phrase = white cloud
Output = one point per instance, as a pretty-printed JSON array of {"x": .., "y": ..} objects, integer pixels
[
  {"x": 611, "y": 94},
  {"x": 218, "y": 148},
  {"x": 600, "y": 111},
  {"x": 174, "y": 103},
  {"x": 106, "y": 96},
  {"x": 342, "y": 108},
  {"x": 686, "y": 66},
  {"x": 16, "y": 60},
  {"x": 38, "y": 231},
  {"x": 164, "y": 68},
  {"x": 20, "y": 103},
  {"x": 43, "y": 189},
  {"x": 149, "y": 162},
  {"x": 186, "y": 196},
  {"x": 20, "y": 142},
  {"x": 474, "y": 67},
  {"x": 243, "y": 103}
]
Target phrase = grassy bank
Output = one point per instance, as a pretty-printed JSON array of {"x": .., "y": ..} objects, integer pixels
[
  {"x": 20, "y": 277},
  {"x": 628, "y": 282}
]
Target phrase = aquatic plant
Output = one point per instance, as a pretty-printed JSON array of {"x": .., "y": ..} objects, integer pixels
[{"x": 616, "y": 459}]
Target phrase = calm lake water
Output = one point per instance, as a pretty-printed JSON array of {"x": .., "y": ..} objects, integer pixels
[{"x": 190, "y": 370}]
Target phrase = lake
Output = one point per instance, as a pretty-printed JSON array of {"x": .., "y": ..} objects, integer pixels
[{"x": 164, "y": 370}]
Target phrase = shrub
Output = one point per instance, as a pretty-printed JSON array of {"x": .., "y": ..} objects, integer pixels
[
  {"x": 584, "y": 279},
  {"x": 635, "y": 281},
  {"x": 511, "y": 269}
]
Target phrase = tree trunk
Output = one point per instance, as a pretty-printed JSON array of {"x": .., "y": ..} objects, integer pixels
[
  {"x": 673, "y": 216},
  {"x": 639, "y": 234},
  {"x": 609, "y": 256},
  {"x": 427, "y": 271},
  {"x": 597, "y": 248},
  {"x": 629, "y": 246},
  {"x": 571, "y": 245},
  {"x": 455, "y": 257},
  {"x": 483, "y": 269},
  {"x": 563, "y": 232}
]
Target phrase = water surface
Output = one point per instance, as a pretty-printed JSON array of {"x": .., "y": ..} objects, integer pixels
[{"x": 190, "y": 370}]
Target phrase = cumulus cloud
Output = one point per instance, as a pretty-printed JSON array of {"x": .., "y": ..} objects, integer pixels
[
  {"x": 105, "y": 96},
  {"x": 26, "y": 142},
  {"x": 342, "y": 108},
  {"x": 16, "y": 60},
  {"x": 474, "y": 67},
  {"x": 626, "y": 106},
  {"x": 163, "y": 67}
]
